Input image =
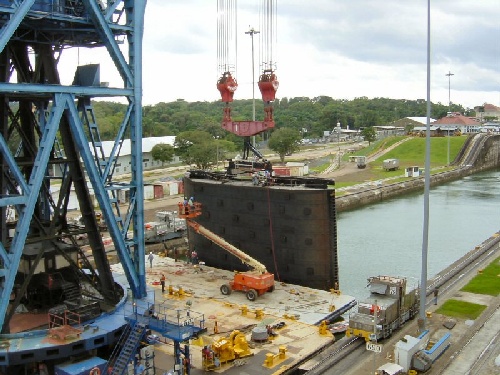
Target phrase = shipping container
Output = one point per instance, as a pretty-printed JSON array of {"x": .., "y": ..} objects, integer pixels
[
  {"x": 149, "y": 192},
  {"x": 297, "y": 169},
  {"x": 174, "y": 188},
  {"x": 281, "y": 171},
  {"x": 158, "y": 191}
]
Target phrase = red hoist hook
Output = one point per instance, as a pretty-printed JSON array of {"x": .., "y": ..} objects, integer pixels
[
  {"x": 268, "y": 85},
  {"x": 227, "y": 85}
]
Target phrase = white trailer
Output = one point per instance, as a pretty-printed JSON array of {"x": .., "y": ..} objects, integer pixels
[{"x": 391, "y": 164}]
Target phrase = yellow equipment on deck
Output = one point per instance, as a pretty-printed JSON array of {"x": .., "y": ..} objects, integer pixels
[{"x": 225, "y": 349}]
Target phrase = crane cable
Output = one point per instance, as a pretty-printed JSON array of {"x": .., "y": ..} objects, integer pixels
[
  {"x": 226, "y": 36},
  {"x": 268, "y": 23},
  {"x": 277, "y": 275}
]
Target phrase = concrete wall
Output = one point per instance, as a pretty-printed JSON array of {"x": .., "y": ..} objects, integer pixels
[{"x": 488, "y": 158}]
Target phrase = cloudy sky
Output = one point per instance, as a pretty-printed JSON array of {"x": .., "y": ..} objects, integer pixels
[{"x": 338, "y": 48}]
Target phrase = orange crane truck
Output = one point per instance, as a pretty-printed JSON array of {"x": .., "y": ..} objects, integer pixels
[{"x": 254, "y": 282}]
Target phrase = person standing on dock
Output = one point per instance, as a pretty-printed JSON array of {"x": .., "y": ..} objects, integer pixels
[
  {"x": 194, "y": 257},
  {"x": 151, "y": 257},
  {"x": 162, "y": 282}
]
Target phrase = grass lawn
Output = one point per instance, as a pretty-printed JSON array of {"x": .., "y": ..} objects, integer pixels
[
  {"x": 461, "y": 309},
  {"x": 383, "y": 144},
  {"x": 320, "y": 168},
  {"x": 412, "y": 152},
  {"x": 486, "y": 282},
  {"x": 409, "y": 153}
]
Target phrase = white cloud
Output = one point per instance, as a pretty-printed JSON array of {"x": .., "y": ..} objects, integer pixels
[{"x": 330, "y": 47}]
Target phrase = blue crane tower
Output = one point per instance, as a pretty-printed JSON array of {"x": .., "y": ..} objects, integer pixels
[
  {"x": 51, "y": 149},
  {"x": 50, "y": 141}
]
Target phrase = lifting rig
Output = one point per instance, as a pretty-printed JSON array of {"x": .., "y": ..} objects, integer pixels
[
  {"x": 227, "y": 84},
  {"x": 253, "y": 283}
]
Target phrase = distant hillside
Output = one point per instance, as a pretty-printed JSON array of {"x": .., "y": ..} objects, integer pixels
[{"x": 310, "y": 116}]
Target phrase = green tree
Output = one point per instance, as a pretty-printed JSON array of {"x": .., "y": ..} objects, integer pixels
[
  {"x": 284, "y": 141},
  {"x": 163, "y": 152},
  {"x": 222, "y": 148},
  {"x": 202, "y": 154},
  {"x": 314, "y": 114},
  {"x": 200, "y": 148},
  {"x": 369, "y": 134}
]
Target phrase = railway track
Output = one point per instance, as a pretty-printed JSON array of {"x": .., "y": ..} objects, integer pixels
[
  {"x": 448, "y": 281},
  {"x": 469, "y": 263},
  {"x": 477, "y": 365},
  {"x": 335, "y": 354}
]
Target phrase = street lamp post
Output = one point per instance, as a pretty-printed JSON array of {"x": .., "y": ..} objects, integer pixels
[
  {"x": 217, "y": 150},
  {"x": 449, "y": 74},
  {"x": 252, "y": 32},
  {"x": 338, "y": 140}
]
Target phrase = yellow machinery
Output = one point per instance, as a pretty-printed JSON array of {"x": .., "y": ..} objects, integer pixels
[{"x": 225, "y": 349}]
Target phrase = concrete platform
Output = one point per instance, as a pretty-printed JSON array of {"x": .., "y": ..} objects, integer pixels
[
  {"x": 482, "y": 352},
  {"x": 301, "y": 309}
]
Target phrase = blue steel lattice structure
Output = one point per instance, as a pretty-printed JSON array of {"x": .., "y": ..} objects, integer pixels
[{"x": 49, "y": 137}]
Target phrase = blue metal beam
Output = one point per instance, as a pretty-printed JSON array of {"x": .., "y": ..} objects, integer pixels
[
  {"x": 135, "y": 58},
  {"x": 101, "y": 194},
  {"x": 5, "y": 259},
  {"x": 8, "y": 30},
  {"x": 14, "y": 169},
  {"x": 114, "y": 152},
  {"x": 44, "y": 90},
  {"x": 130, "y": 251},
  {"x": 13, "y": 200},
  {"x": 109, "y": 39},
  {"x": 23, "y": 225}
]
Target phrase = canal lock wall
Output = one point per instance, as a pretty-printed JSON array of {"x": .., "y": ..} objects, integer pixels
[{"x": 481, "y": 152}]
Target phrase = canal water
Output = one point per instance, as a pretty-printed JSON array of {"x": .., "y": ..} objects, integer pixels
[{"x": 386, "y": 238}]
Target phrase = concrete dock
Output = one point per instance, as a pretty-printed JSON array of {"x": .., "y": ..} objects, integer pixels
[{"x": 297, "y": 309}]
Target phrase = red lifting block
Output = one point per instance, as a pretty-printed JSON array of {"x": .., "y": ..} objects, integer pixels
[{"x": 227, "y": 85}]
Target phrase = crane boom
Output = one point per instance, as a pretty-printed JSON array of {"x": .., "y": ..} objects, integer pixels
[
  {"x": 189, "y": 212},
  {"x": 253, "y": 283}
]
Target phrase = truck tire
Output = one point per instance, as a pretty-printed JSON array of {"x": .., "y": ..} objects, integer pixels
[
  {"x": 271, "y": 289},
  {"x": 225, "y": 289},
  {"x": 252, "y": 294}
]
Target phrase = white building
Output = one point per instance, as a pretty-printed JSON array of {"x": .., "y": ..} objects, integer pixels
[
  {"x": 124, "y": 159},
  {"x": 123, "y": 162}
]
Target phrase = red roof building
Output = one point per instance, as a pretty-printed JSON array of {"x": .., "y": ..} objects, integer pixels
[{"x": 455, "y": 120}]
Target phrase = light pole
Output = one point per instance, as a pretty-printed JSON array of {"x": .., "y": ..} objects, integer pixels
[
  {"x": 338, "y": 140},
  {"x": 252, "y": 32},
  {"x": 449, "y": 110},
  {"x": 216, "y": 137}
]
